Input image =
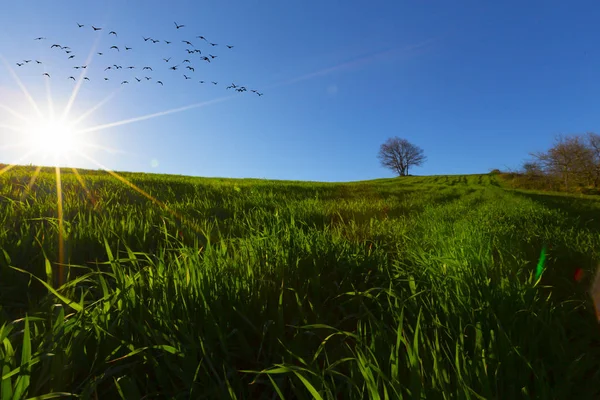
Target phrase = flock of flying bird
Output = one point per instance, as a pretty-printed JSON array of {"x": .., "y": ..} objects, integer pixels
[{"x": 186, "y": 64}]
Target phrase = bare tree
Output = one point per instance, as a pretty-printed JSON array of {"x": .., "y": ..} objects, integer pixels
[
  {"x": 532, "y": 168},
  {"x": 594, "y": 146},
  {"x": 399, "y": 154},
  {"x": 570, "y": 159}
]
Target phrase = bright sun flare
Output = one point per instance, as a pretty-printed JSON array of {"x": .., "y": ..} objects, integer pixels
[{"x": 53, "y": 137}]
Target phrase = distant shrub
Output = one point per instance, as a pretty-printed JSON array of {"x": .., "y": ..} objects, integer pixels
[{"x": 532, "y": 181}]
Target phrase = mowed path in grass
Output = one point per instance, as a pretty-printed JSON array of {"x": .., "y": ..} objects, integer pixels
[{"x": 222, "y": 288}]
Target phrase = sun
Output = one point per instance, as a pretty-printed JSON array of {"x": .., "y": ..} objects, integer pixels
[{"x": 52, "y": 137}]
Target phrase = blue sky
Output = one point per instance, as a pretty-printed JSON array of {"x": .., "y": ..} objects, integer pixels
[{"x": 477, "y": 85}]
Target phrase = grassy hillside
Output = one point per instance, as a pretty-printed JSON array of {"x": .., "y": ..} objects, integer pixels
[{"x": 222, "y": 288}]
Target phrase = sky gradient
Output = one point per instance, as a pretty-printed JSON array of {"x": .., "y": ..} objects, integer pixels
[{"x": 477, "y": 85}]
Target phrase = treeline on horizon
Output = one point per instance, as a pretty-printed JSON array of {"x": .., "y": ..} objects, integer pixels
[{"x": 572, "y": 165}]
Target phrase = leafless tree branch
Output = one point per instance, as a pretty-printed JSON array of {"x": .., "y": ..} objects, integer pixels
[{"x": 399, "y": 155}]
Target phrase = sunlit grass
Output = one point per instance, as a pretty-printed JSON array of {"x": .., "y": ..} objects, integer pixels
[{"x": 183, "y": 287}]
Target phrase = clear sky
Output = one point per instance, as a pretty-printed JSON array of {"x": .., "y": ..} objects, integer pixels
[{"x": 477, "y": 85}]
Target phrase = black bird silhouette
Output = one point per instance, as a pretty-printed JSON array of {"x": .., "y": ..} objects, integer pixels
[
  {"x": 66, "y": 47},
  {"x": 84, "y": 66},
  {"x": 137, "y": 79},
  {"x": 174, "y": 68},
  {"x": 130, "y": 67},
  {"x": 124, "y": 82},
  {"x": 191, "y": 68},
  {"x": 178, "y": 26},
  {"x": 117, "y": 66},
  {"x": 254, "y": 91},
  {"x": 213, "y": 57},
  {"x": 20, "y": 64},
  {"x": 147, "y": 68},
  {"x": 229, "y": 46},
  {"x": 213, "y": 44},
  {"x": 96, "y": 29},
  {"x": 148, "y": 78},
  {"x": 201, "y": 37},
  {"x": 206, "y": 59},
  {"x": 76, "y": 67},
  {"x": 68, "y": 51},
  {"x": 115, "y": 47},
  {"x": 167, "y": 59},
  {"x": 27, "y": 61},
  {"x": 185, "y": 61},
  {"x": 105, "y": 79},
  {"x": 233, "y": 86},
  {"x": 39, "y": 62},
  {"x": 201, "y": 81},
  {"x": 107, "y": 68},
  {"x": 100, "y": 54},
  {"x": 86, "y": 78},
  {"x": 190, "y": 51},
  {"x": 146, "y": 38},
  {"x": 155, "y": 41},
  {"x": 160, "y": 82},
  {"x": 186, "y": 77},
  {"x": 40, "y": 38},
  {"x": 112, "y": 33},
  {"x": 80, "y": 25},
  {"x": 260, "y": 94},
  {"x": 197, "y": 51},
  {"x": 187, "y": 42},
  {"x": 127, "y": 48},
  {"x": 46, "y": 74},
  {"x": 167, "y": 42},
  {"x": 214, "y": 83},
  {"x": 72, "y": 77},
  {"x": 56, "y": 45},
  {"x": 71, "y": 57}
]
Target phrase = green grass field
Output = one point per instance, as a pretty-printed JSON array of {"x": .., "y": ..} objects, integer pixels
[{"x": 420, "y": 287}]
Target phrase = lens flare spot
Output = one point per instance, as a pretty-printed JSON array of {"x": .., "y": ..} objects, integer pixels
[{"x": 332, "y": 90}]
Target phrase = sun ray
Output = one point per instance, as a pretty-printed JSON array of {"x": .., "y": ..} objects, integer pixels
[
  {"x": 85, "y": 188},
  {"x": 12, "y": 112},
  {"x": 111, "y": 150},
  {"x": 77, "y": 87},
  {"x": 31, "y": 182},
  {"x": 23, "y": 89},
  {"x": 13, "y": 145},
  {"x": 125, "y": 181},
  {"x": 38, "y": 169},
  {"x": 61, "y": 237},
  {"x": 11, "y": 166},
  {"x": 96, "y": 107},
  {"x": 12, "y": 128},
  {"x": 144, "y": 193},
  {"x": 154, "y": 115}
]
